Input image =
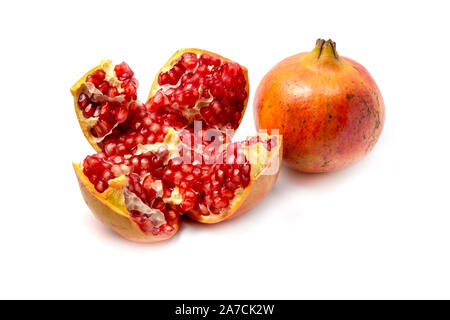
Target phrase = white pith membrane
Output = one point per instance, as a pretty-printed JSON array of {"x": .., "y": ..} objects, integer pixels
[{"x": 133, "y": 202}]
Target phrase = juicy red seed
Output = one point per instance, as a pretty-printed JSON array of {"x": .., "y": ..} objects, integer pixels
[
  {"x": 203, "y": 209},
  {"x": 103, "y": 87},
  {"x": 129, "y": 141},
  {"x": 186, "y": 168},
  {"x": 196, "y": 172},
  {"x": 121, "y": 149},
  {"x": 89, "y": 110},
  {"x": 237, "y": 116},
  {"x": 171, "y": 215},
  {"x": 147, "y": 182},
  {"x": 224, "y": 192},
  {"x": 226, "y": 80},
  {"x": 139, "y": 139},
  {"x": 130, "y": 90},
  {"x": 108, "y": 175},
  {"x": 123, "y": 71},
  {"x": 110, "y": 148},
  {"x": 163, "y": 78},
  {"x": 145, "y": 163},
  {"x": 217, "y": 89},
  {"x": 209, "y": 60},
  {"x": 83, "y": 101},
  {"x": 101, "y": 186},
  {"x": 220, "y": 175},
  {"x": 155, "y": 128},
  {"x": 177, "y": 177},
  {"x": 102, "y": 127},
  {"x": 166, "y": 228},
  {"x": 121, "y": 114},
  {"x": 97, "y": 132},
  {"x": 178, "y": 68},
  {"x": 156, "y": 102},
  {"x": 168, "y": 175},
  {"x": 206, "y": 112},
  {"x": 232, "y": 69},
  {"x": 216, "y": 107},
  {"x": 112, "y": 92},
  {"x": 215, "y": 210},
  {"x": 118, "y": 160},
  {"x": 220, "y": 202},
  {"x": 99, "y": 74},
  {"x": 189, "y": 60},
  {"x": 245, "y": 181},
  {"x": 104, "y": 108},
  {"x": 146, "y": 225},
  {"x": 96, "y": 77},
  {"x": 202, "y": 69}
]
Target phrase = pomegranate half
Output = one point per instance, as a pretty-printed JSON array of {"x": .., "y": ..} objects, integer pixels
[
  {"x": 327, "y": 107},
  {"x": 172, "y": 155}
]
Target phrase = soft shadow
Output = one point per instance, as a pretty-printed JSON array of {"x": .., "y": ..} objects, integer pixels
[
  {"x": 116, "y": 239},
  {"x": 319, "y": 180}
]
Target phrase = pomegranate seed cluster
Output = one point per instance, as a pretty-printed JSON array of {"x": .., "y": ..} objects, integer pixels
[
  {"x": 229, "y": 168},
  {"x": 196, "y": 87},
  {"x": 217, "y": 88},
  {"x": 108, "y": 109},
  {"x": 142, "y": 127}
]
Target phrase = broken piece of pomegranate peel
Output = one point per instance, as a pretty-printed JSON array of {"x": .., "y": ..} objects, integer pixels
[
  {"x": 76, "y": 91},
  {"x": 176, "y": 56},
  {"x": 109, "y": 206},
  {"x": 263, "y": 175}
]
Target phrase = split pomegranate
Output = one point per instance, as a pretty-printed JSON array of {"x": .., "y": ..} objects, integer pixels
[
  {"x": 328, "y": 108},
  {"x": 172, "y": 155}
]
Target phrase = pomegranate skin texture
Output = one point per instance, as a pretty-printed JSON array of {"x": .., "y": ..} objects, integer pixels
[{"x": 327, "y": 107}]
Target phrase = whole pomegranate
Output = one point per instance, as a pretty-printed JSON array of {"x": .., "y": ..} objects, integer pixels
[
  {"x": 171, "y": 156},
  {"x": 328, "y": 108}
]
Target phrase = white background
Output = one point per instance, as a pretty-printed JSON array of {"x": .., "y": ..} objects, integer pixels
[{"x": 380, "y": 229}]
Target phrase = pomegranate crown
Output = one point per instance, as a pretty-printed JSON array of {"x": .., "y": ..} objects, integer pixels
[{"x": 328, "y": 45}]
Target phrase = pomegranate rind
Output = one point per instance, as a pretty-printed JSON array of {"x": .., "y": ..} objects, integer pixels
[
  {"x": 177, "y": 56},
  {"x": 111, "y": 211},
  {"x": 76, "y": 90},
  {"x": 330, "y": 110},
  {"x": 258, "y": 188}
]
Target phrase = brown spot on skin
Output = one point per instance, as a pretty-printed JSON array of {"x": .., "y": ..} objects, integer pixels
[
  {"x": 326, "y": 163},
  {"x": 377, "y": 120},
  {"x": 349, "y": 96}
]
